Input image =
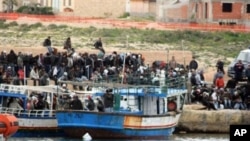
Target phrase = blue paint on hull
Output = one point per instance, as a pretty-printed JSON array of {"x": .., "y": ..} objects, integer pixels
[{"x": 105, "y": 126}]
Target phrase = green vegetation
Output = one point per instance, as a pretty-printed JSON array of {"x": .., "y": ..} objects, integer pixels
[
  {"x": 35, "y": 9},
  {"x": 125, "y": 15},
  {"x": 226, "y": 44}
]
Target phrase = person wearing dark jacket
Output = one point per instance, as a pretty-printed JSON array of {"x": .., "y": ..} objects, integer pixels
[
  {"x": 231, "y": 85},
  {"x": 238, "y": 68},
  {"x": 100, "y": 105},
  {"x": 47, "y": 43},
  {"x": 76, "y": 104},
  {"x": 98, "y": 43},
  {"x": 108, "y": 100},
  {"x": 247, "y": 73},
  {"x": 220, "y": 66},
  {"x": 67, "y": 44},
  {"x": 193, "y": 65},
  {"x": 91, "y": 104},
  {"x": 12, "y": 57}
]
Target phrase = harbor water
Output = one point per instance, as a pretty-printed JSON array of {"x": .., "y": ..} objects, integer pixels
[{"x": 175, "y": 137}]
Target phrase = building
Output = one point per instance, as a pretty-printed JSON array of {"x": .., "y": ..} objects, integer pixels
[
  {"x": 143, "y": 8},
  {"x": 198, "y": 11},
  {"x": 172, "y": 10},
  {"x": 87, "y": 8},
  {"x": 204, "y": 11}
]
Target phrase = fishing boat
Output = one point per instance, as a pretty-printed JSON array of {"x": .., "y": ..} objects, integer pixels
[
  {"x": 137, "y": 112},
  {"x": 34, "y": 121}
]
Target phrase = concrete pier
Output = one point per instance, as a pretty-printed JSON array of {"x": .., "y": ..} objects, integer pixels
[{"x": 204, "y": 121}]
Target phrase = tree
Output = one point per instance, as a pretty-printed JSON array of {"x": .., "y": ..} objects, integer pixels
[{"x": 10, "y": 5}]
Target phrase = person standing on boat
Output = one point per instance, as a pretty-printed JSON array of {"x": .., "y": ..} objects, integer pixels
[
  {"x": 91, "y": 104},
  {"x": 20, "y": 73},
  {"x": 100, "y": 105},
  {"x": 108, "y": 100},
  {"x": 76, "y": 104}
]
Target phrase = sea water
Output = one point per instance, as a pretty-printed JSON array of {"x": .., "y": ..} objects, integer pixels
[{"x": 175, "y": 137}]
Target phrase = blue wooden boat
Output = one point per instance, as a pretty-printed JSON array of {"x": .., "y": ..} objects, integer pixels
[
  {"x": 32, "y": 122},
  {"x": 139, "y": 112}
]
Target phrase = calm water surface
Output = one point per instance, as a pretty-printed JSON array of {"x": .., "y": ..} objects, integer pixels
[{"x": 175, "y": 137}]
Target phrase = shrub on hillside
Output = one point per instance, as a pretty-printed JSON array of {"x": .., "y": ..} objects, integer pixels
[{"x": 35, "y": 10}]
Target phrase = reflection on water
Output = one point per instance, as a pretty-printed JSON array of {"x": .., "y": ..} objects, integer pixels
[{"x": 175, "y": 137}]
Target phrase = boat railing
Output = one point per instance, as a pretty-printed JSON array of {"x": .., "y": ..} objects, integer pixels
[
  {"x": 27, "y": 113},
  {"x": 17, "y": 89},
  {"x": 174, "y": 82}
]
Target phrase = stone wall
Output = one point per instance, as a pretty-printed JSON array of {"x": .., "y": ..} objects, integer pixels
[
  {"x": 193, "y": 120},
  {"x": 99, "y": 8}
]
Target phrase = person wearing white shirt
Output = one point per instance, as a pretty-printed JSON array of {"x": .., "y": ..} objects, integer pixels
[
  {"x": 214, "y": 97},
  {"x": 34, "y": 75}
]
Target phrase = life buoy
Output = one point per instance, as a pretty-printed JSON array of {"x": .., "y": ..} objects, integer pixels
[
  {"x": 171, "y": 106},
  {"x": 8, "y": 125}
]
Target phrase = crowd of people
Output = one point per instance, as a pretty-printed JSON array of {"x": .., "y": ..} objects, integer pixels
[
  {"x": 233, "y": 94},
  {"x": 129, "y": 68},
  {"x": 76, "y": 66}
]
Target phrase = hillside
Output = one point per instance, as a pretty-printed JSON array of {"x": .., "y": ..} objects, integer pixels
[{"x": 208, "y": 47}]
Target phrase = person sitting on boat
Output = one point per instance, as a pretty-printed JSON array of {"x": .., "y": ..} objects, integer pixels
[
  {"x": 64, "y": 77},
  {"x": 91, "y": 104},
  {"x": 100, "y": 105},
  {"x": 44, "y": 78},
  {"x": 21, "y": 75},
  {"x": 30, "y": 104},
  {"x": 108, "y": 98},
  {"x": 14, "y": 105},
  {"x": 9, "y": 74},
  {"x": 76, "y": 104},
  {"x": 34, "y": 75},
  {"x": 78, "y": 76},
  {"x": 40, "y": 104}
]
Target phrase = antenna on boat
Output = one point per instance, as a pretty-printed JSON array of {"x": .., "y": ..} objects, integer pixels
[
  {"x": 24, "y": 71},
  {"x": 123, "y": 68}
]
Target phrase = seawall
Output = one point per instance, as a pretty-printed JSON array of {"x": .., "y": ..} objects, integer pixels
[{"x": 204, "y": 121}]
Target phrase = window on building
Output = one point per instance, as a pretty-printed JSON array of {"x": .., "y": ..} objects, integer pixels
[
  {"x": 41, "y": 3},
  {"x": 25, "y": 3},
  {"x": 69, "y": 2},
  {"x": 227, "y": 7},
  {"x": 248, "y": 8},
  {"x": 196, "y": 7},
  {"x": 64, "y": 2}
]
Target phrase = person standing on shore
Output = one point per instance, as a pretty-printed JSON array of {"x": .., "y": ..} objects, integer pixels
[
  {"x": 193, "y": 65},
  {"x": 220, "y": 66},
  {"x": 238, "y": 68},
  {"x": 98, "y": 43},
  {"x": 67, "y": 44},
  {"x": 247, "y": 73},
  {"x": 47, "y": 43}
]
